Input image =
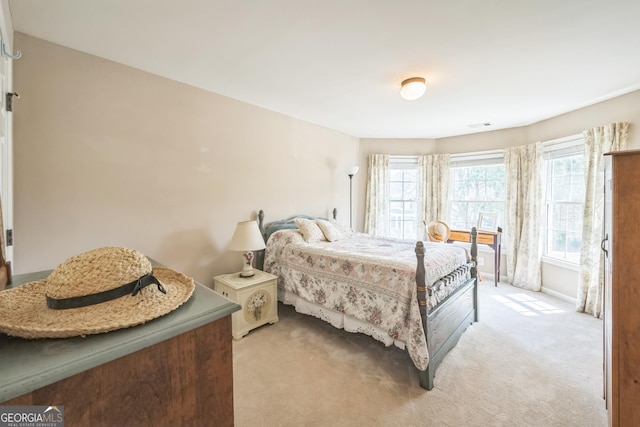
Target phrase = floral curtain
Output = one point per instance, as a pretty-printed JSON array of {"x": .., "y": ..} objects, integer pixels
[
  {"x": 433, "y": 190},
  {"x": 523, "y": 215},
  {"x": 597, "y": 141},
  {"x": 377, "y": 199}
]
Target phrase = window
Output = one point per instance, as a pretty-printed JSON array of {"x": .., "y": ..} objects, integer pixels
[
  {"x": 403, "y": 195},
  {"x": 564, "y": 198},
  {"x": 477, "y": 184}
]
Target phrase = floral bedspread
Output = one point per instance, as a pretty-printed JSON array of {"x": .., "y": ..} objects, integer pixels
[{"x": 367, "y": 278}]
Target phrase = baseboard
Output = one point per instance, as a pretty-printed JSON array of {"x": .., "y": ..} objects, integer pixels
[{"x": 558, "y": 295}]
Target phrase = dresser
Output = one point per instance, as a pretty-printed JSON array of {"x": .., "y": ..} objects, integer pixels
[
  {"x": 621, "y": 309},
  {"x": 174, "y": 370}
]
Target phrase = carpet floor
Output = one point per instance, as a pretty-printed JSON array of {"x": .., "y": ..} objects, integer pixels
[{"x": 531, "y": 360}]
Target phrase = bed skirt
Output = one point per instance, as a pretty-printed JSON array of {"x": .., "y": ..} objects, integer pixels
[{"x": 337, "y": 319}]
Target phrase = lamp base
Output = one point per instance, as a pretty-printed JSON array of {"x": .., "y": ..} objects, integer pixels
[
  {"x": 247, "y": 267},
  {"x": 247, "y": 274}
]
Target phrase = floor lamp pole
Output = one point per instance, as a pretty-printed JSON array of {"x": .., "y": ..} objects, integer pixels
[{"x": 350, "y": 201}]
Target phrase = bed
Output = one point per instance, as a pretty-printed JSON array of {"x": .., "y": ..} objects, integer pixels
[{"x": 419, "y": 296}]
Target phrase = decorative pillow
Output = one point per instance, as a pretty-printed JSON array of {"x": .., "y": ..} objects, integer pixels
[
  {"x": 282, "y": 224},
  {"x": 343, "y": 229},
  {"x": 310, "y": 231},
  {"x": 331, "y": 233}
]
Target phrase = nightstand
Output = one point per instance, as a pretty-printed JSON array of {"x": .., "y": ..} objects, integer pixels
[{"x": 258, "y": 296}]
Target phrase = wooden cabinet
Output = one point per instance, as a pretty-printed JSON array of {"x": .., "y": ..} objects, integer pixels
[
  {"x": 622, "y": 288},
  {"x": 185, "y": 380},
  {"x": 173, "y": 370},
  {"x": 258, "y": 296}
]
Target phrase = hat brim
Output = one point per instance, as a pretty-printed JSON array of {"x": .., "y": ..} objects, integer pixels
[{"x": 24, "y": 312}]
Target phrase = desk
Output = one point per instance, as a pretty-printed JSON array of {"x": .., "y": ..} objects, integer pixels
[{"x": 492, "y": 239}]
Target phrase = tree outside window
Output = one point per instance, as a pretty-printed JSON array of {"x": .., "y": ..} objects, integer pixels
[{"x": 475, "y": 189}]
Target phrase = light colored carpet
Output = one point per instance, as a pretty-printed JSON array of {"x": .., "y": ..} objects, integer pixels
[{"x": 530, "y": 361}]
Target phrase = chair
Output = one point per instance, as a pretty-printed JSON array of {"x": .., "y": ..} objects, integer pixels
[{"x": 438, "y": 231}]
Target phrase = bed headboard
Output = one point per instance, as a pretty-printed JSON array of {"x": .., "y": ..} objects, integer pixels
[{"x": 283, "y": 224}]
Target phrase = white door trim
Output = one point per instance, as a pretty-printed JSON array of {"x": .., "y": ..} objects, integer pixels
[{"x": 6, "y": 134}]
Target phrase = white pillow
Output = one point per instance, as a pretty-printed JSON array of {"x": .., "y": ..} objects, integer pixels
[
  {"x": 343, "y": 229},
  {"x": 310, "y": 231},
  {"x": 331, "y": 233}
]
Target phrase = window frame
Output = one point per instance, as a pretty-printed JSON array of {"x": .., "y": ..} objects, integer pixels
[
  {"x": 402, "y": 163},
  {"x": 562, "y": 148},
  {"x": 479, "y": 159}
]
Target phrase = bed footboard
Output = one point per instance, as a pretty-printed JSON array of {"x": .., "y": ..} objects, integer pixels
[{"x": 445, "y": 324}]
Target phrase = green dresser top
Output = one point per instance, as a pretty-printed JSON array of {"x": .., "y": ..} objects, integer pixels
[{"x": 27, "y": 365}]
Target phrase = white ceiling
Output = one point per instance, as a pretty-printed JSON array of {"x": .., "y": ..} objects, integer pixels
[{"x": 339, "y": 63}]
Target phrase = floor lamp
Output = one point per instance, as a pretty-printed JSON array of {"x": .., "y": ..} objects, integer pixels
[{"x": 352, "y": 172}]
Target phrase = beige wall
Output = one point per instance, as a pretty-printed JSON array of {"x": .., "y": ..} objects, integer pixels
[
  {"x": 109, "y": 155},
  {"x": 555, "y": 278}
]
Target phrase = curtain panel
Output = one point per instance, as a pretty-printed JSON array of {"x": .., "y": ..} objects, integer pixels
[
  {"x": 597, "y": 142},
  {"x": 523, "y": 215},
  {"x": 433, "y": 190},
  {"x": 376, "y": 219}
]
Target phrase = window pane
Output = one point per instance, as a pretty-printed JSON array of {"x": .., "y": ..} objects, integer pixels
[
  {"x": 476, "y": 189},
  {"x": 458, "y": 215},
  {"x": 574, "y": 216},
  {"x": 574, "y": 242},
  {"x": 410, "y": 210},
  {"x": 559, "y": 241},
  {"x": 565, "y": 195},
  {"x": 459, "y": 190},
  {"x": 403, "y": 208},
  {"x": 561, "y": 166},
  {"x": 558, "y": 216},
  {"x": 561, "y": 188},
  {"x": 395, "y": 175},
  {"x": 577, "y": 188},
  {"x": 410, "y": 191},
  {"x": 395, "y": 190}
]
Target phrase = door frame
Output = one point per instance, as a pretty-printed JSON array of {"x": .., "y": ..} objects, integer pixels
[{"x": 6, "y": 146}]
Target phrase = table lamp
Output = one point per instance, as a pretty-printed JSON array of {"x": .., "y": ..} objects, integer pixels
[{"x": 247, "y": 238}]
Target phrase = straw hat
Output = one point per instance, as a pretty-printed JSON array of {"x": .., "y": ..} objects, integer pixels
[
  {"x": 97, "y": 291},
  {"x": 438, "y": 231}
]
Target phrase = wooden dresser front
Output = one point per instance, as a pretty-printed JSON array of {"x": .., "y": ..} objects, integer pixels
[
  {"x": 622, "y": 288},
  {"x": 185, "y": 380}
]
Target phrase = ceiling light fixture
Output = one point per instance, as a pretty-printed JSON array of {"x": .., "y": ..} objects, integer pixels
[
  {"x": 479, "y": 125},
  {"x": 413, "y": 88}
]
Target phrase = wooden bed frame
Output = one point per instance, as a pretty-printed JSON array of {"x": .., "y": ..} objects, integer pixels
[{"x": 445, "y": 323}]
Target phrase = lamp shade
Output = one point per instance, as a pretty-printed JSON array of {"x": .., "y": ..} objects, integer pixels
[
  {"x": 353, "y": 170},
  {"x": 413, "y": 88},
  {"x": 247, "y": 237}
]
